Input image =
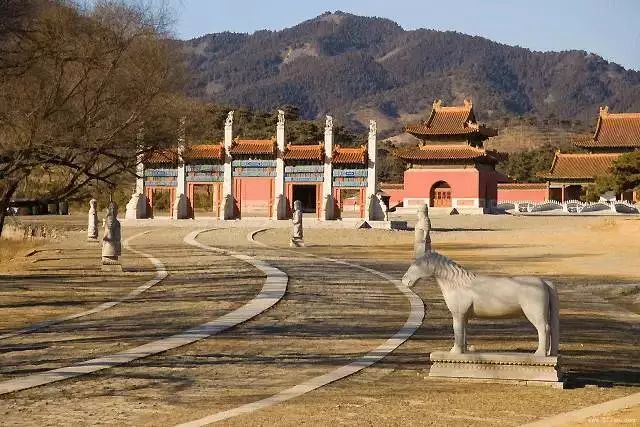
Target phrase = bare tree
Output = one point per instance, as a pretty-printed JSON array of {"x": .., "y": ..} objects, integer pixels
[{"x": 75, "y": 90}]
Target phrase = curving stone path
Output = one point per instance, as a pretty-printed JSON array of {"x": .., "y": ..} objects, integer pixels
[
  {"x": 161, "y": 273},
  {"x": 604, "y": 408},
  {"x": 584, "y": 414},
  {"x": 272, "y": 291},
  {"x": 414, "y": 320}
]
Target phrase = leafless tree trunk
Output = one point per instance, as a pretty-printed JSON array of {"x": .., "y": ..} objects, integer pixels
[{"x": 75, "y": 87}]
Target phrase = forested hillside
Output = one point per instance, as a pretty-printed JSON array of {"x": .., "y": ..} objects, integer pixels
[{"x": 358, "y": 68}]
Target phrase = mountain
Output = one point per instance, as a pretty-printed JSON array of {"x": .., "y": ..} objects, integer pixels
[{"x": 358, "y": 68}]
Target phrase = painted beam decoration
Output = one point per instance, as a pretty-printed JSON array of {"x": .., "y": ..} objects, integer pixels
[
  {"x": 161, "y": 177},
  {"x": 205, "y": 173},
  {"x": 350, "y": 177},
  {"x": 304, "y": 173},
  {"x": 254, "y": 167}
]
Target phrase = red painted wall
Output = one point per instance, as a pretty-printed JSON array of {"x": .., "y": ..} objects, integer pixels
[
  {"x": 254, "y": 196},
  {"x": 464, "y": 183},
  {"x": 488, "y": 187},
  {"x": 535, "y": 195},
  {"x": 395, "y": 196}
]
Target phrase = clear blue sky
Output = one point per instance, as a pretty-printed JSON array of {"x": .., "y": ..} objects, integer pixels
[{"x": 610, "y": 28}]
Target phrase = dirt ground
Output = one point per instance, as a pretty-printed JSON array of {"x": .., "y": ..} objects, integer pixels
[{"x": 331, "y": 315}]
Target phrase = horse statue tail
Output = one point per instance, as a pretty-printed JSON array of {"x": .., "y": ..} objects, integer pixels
[{"x": 554, "y": 318}]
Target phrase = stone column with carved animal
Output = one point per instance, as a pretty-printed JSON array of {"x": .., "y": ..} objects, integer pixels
[
  {"x": 376, "y": 209},
  {"x": 137, "y": 206},
  {"x": 228, "y": 210},
  {"x": 181, "y": 203},
  {"x": 280, "y": 202},
  {"x": 328, "y": 204}
]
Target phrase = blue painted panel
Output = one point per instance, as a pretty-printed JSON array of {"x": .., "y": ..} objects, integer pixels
[
  {"x": 304, "y": 168},
  {"x": 204, "y": 168},
  {"x": 161, "y": 172},
  {"x": 302, "y": 178},
  {"x": 205, "y": 178},
  {"x": 254, "y": 172},
  {"x": 161, "y": 183},
  {"x": 350, "y": 183},
  {"x": 254, "y": 163},
  {"x": 350, "y": 172}
]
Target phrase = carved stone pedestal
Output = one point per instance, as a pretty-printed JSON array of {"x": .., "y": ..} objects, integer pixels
[
  {"x": 111, "y": 264},
  {"x": 520, "y": 367}
]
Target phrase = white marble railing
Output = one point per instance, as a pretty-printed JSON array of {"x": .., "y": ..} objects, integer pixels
[{"x": 569, "y": 206}]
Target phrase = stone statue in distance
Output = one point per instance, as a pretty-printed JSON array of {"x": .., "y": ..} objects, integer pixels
[
  {"x": 111, "y": 243},
  {"x": 422, "y": 238},
  {"x": 92, "y": 226},
  {"x": 297, "y": 239}
]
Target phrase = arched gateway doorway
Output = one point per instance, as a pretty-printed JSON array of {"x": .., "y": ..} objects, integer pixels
[{"x": 440, "y": 195}]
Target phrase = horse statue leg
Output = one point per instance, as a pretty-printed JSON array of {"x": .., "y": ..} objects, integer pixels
[
  {"x": 459, "y": 333},
  {"x": 537, "y": 312}
]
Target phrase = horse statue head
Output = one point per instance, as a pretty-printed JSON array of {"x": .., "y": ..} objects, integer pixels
[{"x": 422, "y": 267}]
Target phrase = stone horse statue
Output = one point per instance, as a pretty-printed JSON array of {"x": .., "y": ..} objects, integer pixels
[{"x": 469, "y": 295}]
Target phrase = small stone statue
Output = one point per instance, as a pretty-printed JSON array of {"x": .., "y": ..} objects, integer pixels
[
  {"x": 111, "y": 245},
  {"x": 422, "y": 239},
  {"x": 92, "y": 226},
  {"x": 297, "y": 236}
]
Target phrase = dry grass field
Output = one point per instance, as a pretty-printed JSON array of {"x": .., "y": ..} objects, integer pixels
[{"x": 331, "y": 315}]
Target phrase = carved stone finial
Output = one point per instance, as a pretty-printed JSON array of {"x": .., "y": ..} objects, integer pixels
[
  {"x": 182, "y": 133},
  {"x": 280, "y": 118},
  {"x": 229, "y": 120},
  {"x": 328, "y": 123},
  {"x": 372, "y": 127},
  {"x": 140, "y": 136}
]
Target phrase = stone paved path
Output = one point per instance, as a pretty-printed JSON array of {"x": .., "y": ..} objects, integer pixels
[
  {"x": 272, "y": 291},
  {"x": 413, "y": 322},
  {"x": 161, "y": 273}
]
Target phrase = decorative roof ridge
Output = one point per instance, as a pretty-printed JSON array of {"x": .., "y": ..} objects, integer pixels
[
  {"x": 451, "y": 146},
  {"x": 438, "y": 106},
  {"x": 626, "y": 115},
  {"x": 606, "y": 114},
  {"x": 300, "y": 146},
  {"x": 558, "y": 153},
  {"x": 253, "y": 141},
  {"x": 205, "y": 145},
  {"x": 362, "y": 147}
]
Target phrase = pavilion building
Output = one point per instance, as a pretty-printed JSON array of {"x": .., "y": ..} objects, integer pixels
[
  {"x": 449, "y": 168},
  {"x": 240, "y": 178},
  {"x": 570, "y": 173}
]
